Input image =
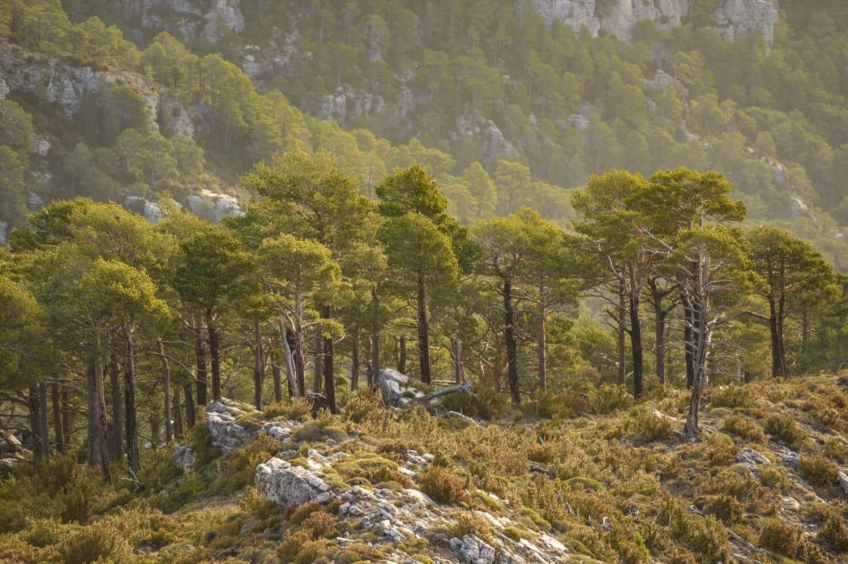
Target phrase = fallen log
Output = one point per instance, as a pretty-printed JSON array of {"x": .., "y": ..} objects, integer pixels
[{"x": 465, "y": 388}]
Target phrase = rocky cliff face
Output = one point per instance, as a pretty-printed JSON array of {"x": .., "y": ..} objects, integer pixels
[
  {"x": 733, "y": 18},
  {"x": 62, "y": 84},
  {"x": 185, "y": 19}
]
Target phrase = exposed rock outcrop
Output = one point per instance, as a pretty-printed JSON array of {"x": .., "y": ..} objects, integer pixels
[
  {"x": 213, "y": 206},
  {"x": 61, "y": 83},
  {"x": 11, "y": 451},
  {"x": 187, "y": 19},
  {"x": 280, "y": 481},
  {"x": 734, "y": 18}
]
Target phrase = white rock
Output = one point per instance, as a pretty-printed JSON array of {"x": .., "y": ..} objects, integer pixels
[
  {"x": 475, "y": 551},
  {"x": 279, "y": 481}
]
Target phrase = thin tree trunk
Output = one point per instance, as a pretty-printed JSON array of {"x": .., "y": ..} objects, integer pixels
[
  {"x": 318, "y": 367},
  {"x": 423, "y": 332},
  {"x": 200, "y": 353},
  {"x": 293, "y": 350},
  {"x": 35, "y": 427},
  {"x": 92, "y": 419},
  {"x": 278, "y": 380},
  {"x": 543, "y": 362},
  {"x": 329, "y": 366},
  {"x": 659, "y": 335},
  {"x": 636, "y": 339},
  {"x": 190, "y": 408},
  {"x": 622, "y": 358},
  {"x": 166, "y": 391},
  {"x": 178, "y": 414},
  {"x": 258, "y": 366},
  {"x": 354, "y": 360},
  {"x": 805, "y": 327},
  {"x": 781, "y": 333},
  {"x": 130, "y": 403},
  {"x": 457, "y": 360},
  {"x": 511, "y": 344},
  {"x": 43, "y": 422},
  {"x": 102, "y": 436},
  {"x": 299, "y": 361},
  {"x": 375, "y": 340},
  {"x": 117, "y": 449},
  {"x": 215, "y": 356},
  {"x": 57, "y": 417},
  {"x": 402, "y": 355},
  {"x": 369, "y": 366},
  {"x": 688, "y": 344},
  {"x": 66, "y": 415},
  {"x": 703, "y": 333}
]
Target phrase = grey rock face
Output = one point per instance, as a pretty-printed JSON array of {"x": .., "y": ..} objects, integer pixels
[
  {"x": 226, "y": 434},
  {"x": 187, "y": 19},
  {"x": 474, "y": 550},
  {"x": 279, "y": 481},
  {"x": 213, "y": 206},
  {"x": 65, "y": 85},
  {"x": 750, "y": 458},
  {"x": 617, "y": 18},
  {"x": 183, "y": 456},
  {"x": 11, "y": 451}
]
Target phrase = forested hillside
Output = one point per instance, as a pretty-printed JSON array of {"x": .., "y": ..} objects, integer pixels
[
  {"x": 540, "y": 94},
  {"x": 420, "y": 281}
]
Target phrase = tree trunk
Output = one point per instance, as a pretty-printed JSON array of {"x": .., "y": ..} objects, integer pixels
[
  {"x": 543, "y": 362},
  {"x": 457, "y": 360},
  {"x": 178, "y": 414},
  {"x": 215, "y": 356},
  {"x": 43, "y": 422},
  {"x": 703, "y": 334},
  {"x": 166, "y": 391},
  {"x": 318, "y": 367},
  {"x": 278, "y": 380},
  {"x": 293, "y": 350},
  {"x": 91, "y": 416},
  {"x": 781, "y": 317},
  {"x": 636, "y": 339},
  {"x": 190, "y": 408},
  {"x": 299, "y": 361},
  {"x": 117, "y": 447},
  {"x": 200, "y": 352},
  {"x": 622, "y": 358},
  {"x": 805, "y": 328},
  {"x": 511, "y": 344},
  {"x": 354, "y": 360},
  {"x": 423, "y": 332},
  {"x": 66, "y": 415},
  {"x": 35, "y": 426},
  {"x": 258, "y": 366},
  {"x": 659, "y": 335},
  {"x": 369, "y": 366},
  {"x": 375, "y": 340},
  {"x": 329, "y": 366},
  {"x": 57, "y": 417},
  {"x": 688, "y": 343},
  {"x": 130, "y": 403},
  {"x": 402, "y": 355},
  {"x": 102, "y": 437}
]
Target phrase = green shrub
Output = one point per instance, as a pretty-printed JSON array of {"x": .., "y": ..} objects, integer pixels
[
  {"x": 444, "y": 485},
  {"x": 818, "y": 470},
  {"x": 93, "y": 544},
  {"x": 732, "y": 396},
  {"x": 651, "y": 424},
  {"x": 780, "y": 538},
  {"x": 295, "y": 409},
  {"x": 744, "y": 427},
  {"x": 317, "y": 431},
  {"x": 785, "y": 429},
  {"x": 835, "y": 532},
  {"x": 609, "y": 398},
  {"x": 486, "y": 402},
  {"x": 547, "y": 405}
]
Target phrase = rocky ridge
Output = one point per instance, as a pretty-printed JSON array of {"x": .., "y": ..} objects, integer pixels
[
  {"x": 734, "y": 18},
  {"x": 390, "y": 516}
]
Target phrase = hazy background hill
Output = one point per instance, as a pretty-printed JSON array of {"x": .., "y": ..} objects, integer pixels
[{"x": 506, "y": 103}]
